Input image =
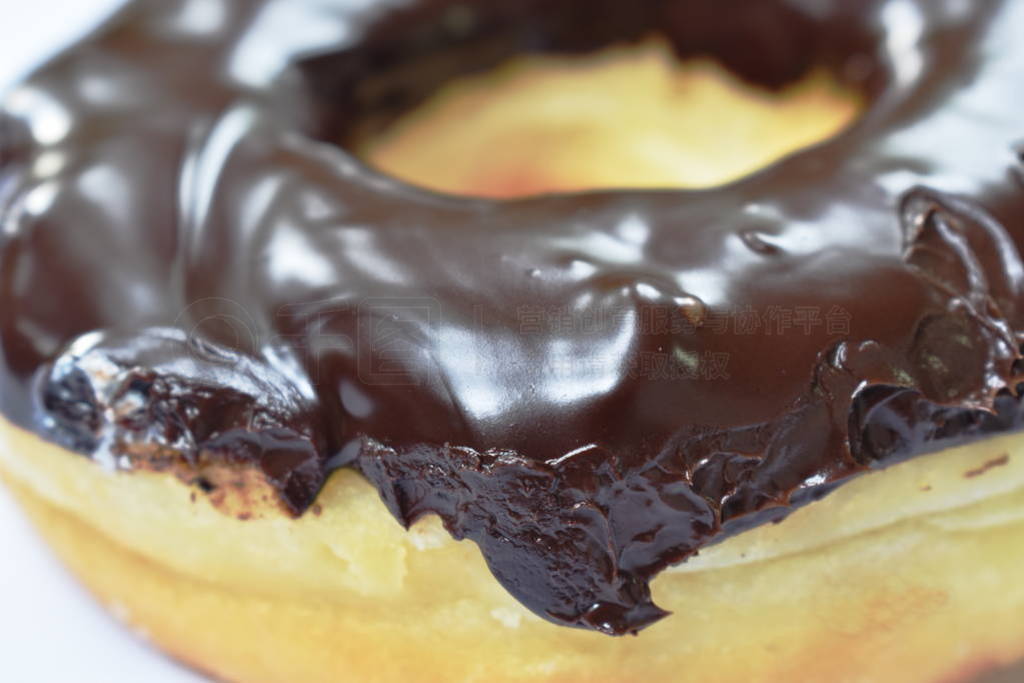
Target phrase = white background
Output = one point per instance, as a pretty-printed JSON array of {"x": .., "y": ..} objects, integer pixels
[{"x": 50, "y": 630}]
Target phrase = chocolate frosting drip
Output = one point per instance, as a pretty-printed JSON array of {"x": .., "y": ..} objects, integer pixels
[{"x": 591, "y": 387}]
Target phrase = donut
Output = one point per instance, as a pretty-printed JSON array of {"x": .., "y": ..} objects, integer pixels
[{"x": 789, "y": 401}]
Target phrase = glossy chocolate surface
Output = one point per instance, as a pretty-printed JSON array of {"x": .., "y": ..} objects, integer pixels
[{"x": 591, "y": 387}]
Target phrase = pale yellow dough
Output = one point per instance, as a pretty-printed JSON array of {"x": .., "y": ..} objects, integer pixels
[{"x": 911, "y": 574}]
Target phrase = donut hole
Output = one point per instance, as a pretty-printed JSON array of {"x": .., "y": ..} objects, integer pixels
[
  {"x": 507, "y": 100},
  {"x": 629, "y": 117}
]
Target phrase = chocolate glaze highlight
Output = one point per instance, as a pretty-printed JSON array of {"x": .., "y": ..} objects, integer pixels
[{"x": 192, "y": 266}]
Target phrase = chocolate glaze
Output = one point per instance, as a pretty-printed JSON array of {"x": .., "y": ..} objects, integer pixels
[{"x": 191, "y": 261}]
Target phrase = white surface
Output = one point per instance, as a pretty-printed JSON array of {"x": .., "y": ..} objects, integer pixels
[{"x": 50, "y": 629}]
